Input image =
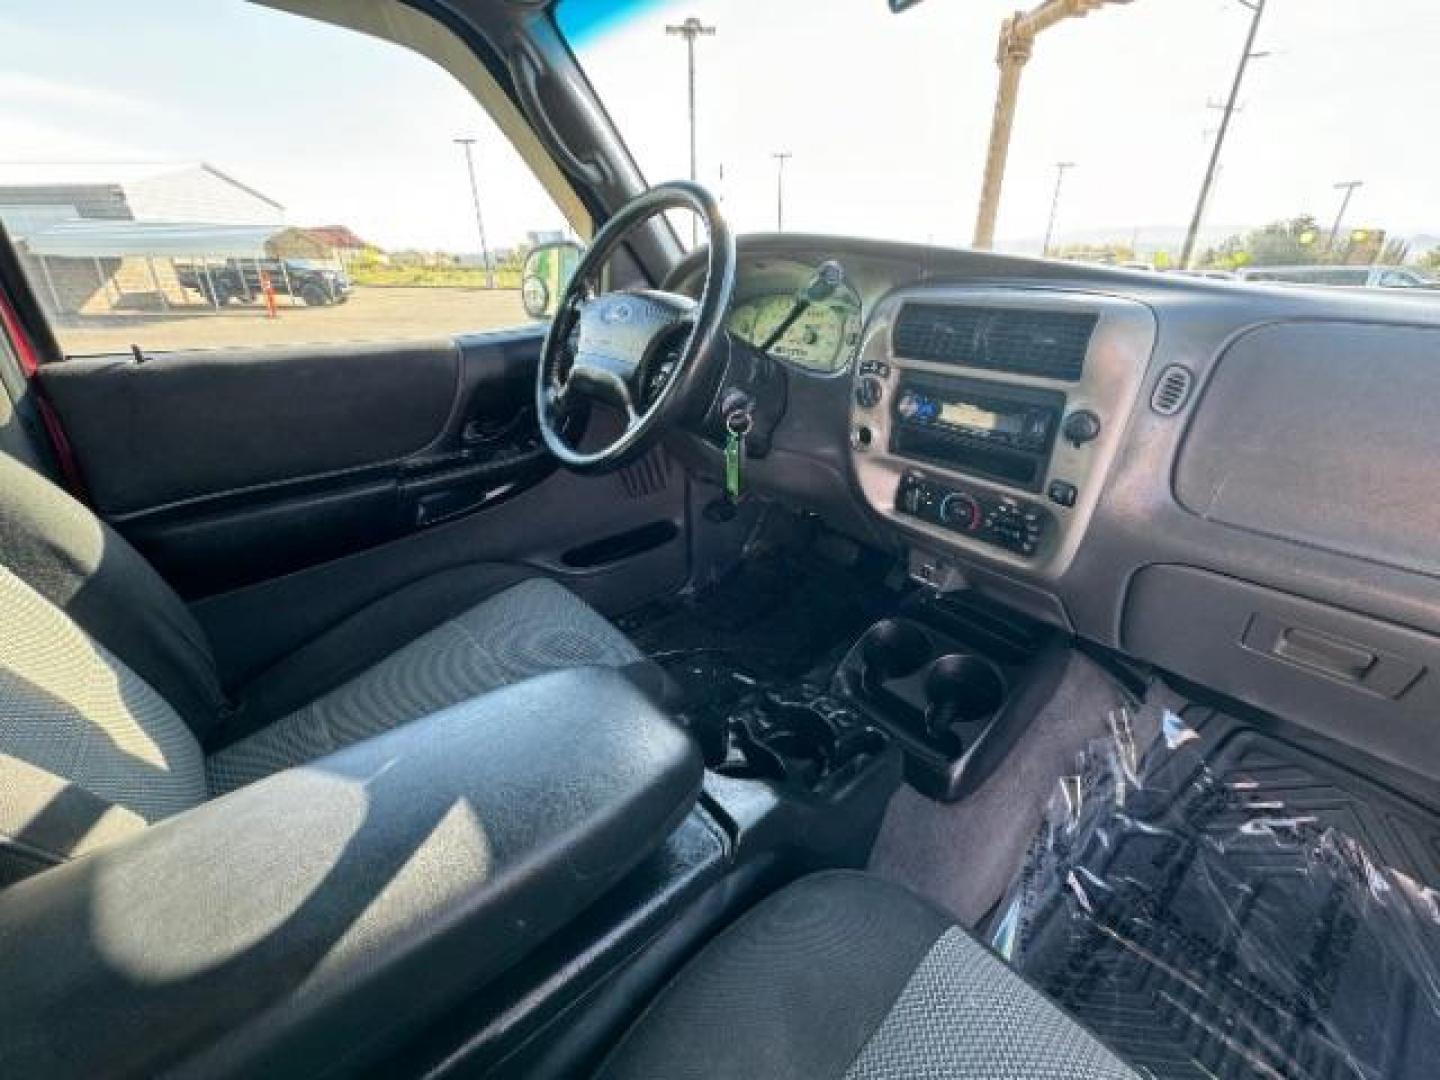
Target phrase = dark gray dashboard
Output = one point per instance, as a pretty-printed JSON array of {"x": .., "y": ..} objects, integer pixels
[{"x": 1274, "y": 538}]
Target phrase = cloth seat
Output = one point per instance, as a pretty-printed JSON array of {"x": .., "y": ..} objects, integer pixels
[
  {"x": 843, "y": 976},
  {"x": 109, "y": 690},
  {"x": 526, "y": 630}
]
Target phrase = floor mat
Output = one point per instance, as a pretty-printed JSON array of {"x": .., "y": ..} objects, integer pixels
[
  {"x": 1230, "y": 905},
  {"x": 963, "y": 855}
]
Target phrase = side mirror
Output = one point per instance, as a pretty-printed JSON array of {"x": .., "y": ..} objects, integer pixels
[{"x": 548, "y": 269}]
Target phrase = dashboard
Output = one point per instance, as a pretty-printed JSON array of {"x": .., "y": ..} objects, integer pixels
[{"x": 1153, "y": 463}]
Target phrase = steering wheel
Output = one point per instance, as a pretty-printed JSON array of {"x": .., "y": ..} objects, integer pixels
[{"x": 621, "y": 347}]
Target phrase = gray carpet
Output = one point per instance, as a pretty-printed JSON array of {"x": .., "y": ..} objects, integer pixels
[{"x": 964, "y": 855}]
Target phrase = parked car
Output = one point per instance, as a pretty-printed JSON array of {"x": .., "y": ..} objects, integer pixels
[
  {"x": 1352, "y": 277},
  {"x": 240, "y": 279}
]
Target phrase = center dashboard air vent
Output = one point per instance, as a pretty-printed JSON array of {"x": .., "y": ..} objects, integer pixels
[{"x": 1047, "y": 344}]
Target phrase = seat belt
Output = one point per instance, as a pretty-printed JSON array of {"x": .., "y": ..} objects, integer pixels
[{"x": 60, "y": 448}]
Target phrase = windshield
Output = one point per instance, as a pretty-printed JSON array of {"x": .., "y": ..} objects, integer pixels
[{"x": 842, "y": 117}]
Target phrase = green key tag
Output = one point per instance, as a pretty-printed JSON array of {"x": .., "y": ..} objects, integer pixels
[
  {"x": 737, "y": 424},
  {"x": 732, "y": 467}
]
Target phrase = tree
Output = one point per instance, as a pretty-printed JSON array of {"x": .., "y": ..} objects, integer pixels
[
  {"x": 1301, "y": 240},
  {"x": 1107, "y": 254},
  {"x": 1277, "y": 244},
  {"x": 1394, "y": 252}
]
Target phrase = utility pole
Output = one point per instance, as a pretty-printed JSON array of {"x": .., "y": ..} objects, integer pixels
[
  {"x": 1060, "y": 169},
  {"x": 690, "y": 29},
  {"x": 1017, "y": 43},
  {"x": 1348, "y": 186},
  {"x": 1257, "y": 8},
  {"x": 469, "y": 144},
  {"x": 780, "y": 156}
]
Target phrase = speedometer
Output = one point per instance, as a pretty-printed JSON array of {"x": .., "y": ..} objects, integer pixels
[{"x": 822, "y": 338}]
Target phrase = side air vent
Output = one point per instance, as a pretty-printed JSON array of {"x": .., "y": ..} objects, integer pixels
[
  {"x": 1048, "y": 344},
  {"x": 1172, "y": 390}
]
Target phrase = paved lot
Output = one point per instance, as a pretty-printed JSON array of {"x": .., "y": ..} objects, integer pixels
[{"x": 371, "y": 314}]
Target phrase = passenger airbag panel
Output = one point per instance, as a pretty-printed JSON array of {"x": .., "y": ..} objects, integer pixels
[{"x": 1323, "y": 433}]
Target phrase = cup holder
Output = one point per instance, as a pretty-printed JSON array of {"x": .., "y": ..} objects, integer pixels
[
  {"x": 924, "y": 685},
  {"x": 893, "y": 649},
  {"x": 961, "y": 688}
]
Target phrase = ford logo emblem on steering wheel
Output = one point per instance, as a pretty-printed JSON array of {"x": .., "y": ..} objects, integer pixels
[{"x": 616, "y": 313}]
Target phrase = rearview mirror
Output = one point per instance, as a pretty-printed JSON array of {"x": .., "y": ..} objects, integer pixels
[{"x": 548, "y": 269}]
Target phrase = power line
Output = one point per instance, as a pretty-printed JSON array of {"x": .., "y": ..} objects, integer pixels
[
  {"x": 468, "y": 145},
  {"x": 690, "y": 29},
  {"x": 1061, "y": 167},
  {"x": 1257, "y": 7},
  {"x": 780, "y": 156}
]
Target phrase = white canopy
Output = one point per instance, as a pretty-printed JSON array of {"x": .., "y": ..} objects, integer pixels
[{"x": 92, "y": 237}]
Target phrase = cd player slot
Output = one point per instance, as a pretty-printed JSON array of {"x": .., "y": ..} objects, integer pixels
[
  {"x": 1022, "y": 470},
  {"x": 994, "y": 430}
]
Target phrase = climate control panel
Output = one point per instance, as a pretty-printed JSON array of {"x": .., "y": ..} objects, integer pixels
[{"x": 1001, "y": 520}]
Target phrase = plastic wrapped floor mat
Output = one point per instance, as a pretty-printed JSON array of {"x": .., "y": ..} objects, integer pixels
[{"x": 1230, "y": 906}]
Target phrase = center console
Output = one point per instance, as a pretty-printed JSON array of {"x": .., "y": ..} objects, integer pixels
[{"x": 985, "y": 420}]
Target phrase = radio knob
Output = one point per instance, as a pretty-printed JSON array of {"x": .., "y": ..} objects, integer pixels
[
  {"x": 868, "y": 392},
  {"x": 1081, "y": 426},
  {"x": 908, "y": 406},
  {"x": 960, "y": 511}
]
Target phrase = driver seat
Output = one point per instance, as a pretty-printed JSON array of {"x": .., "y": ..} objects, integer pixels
[{"x": 113, "y": 711}]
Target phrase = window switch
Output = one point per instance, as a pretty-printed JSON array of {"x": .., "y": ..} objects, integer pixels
[{"x": 1062, "y": 492}]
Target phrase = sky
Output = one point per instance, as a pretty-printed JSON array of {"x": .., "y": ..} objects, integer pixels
[
  {"x": 338, "y": 127},
  {"x": 887, "y": 116}
]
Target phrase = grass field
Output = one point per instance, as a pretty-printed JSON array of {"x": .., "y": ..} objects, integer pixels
[
  {"x": 435, "y": 277},
  {"x": 371, "y": 314}
]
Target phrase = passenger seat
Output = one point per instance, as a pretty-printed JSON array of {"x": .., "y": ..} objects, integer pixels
[{"x": 843, "y": 976}]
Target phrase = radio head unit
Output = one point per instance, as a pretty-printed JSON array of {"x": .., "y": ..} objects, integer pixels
[{"x": 1001, "y": 432}]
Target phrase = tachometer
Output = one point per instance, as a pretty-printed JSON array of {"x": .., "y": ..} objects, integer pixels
[{"x": 821, "y": 339}]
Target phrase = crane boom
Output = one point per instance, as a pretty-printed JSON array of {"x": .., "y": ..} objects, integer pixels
[{"x": 1016, "y": 45}]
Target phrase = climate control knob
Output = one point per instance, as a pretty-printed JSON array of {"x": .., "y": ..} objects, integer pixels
[
  {"x": 960, "y": 511},
  {"x": 1081, "y": 426}
]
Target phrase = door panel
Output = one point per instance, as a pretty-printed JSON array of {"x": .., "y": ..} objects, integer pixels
[
  {"x": 228, "y": 468},
  {"x": 195, "y": 425}
]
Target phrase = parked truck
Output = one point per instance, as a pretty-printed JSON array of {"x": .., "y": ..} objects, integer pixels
[{"x": 240, "y": 279}]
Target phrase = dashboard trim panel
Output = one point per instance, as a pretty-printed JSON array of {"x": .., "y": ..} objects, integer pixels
[{"x": 1115, "y": 369}]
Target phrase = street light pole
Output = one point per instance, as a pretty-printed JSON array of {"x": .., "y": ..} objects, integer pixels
[
  {"x": 468, "y": 145},
  {"x": 1257, "y": 7},
  {"x": 1349, "y": 187},
  {"x": 690, "y": 29},
  {"x": 780, "y": 157},
  {"x": 1060, "y": 169}
]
